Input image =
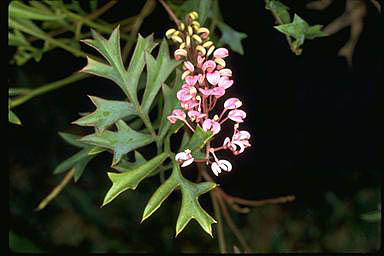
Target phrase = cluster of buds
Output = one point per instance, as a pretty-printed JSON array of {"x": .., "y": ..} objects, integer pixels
[{"x": 206, "y": 79}]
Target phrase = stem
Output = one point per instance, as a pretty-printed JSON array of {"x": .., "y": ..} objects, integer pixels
[
  {"x": 170, "y": 12},
  {"x": 101, "y": 10},
  {"x": 145, "y": 11},
  {"x": 220, "y": 230},
  {"x": 278, "y": 200},
  {"x": 56, "y": 190},
  {"x": 48, "y": 87}
]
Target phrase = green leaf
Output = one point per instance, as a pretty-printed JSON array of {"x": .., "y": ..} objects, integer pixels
[
  {"x": 190, "y": 206},
  {"x": 80, "y": 166},
  {"x": 70, "y": 162},
  {"x": 131, "y": 179},
  {"x": 107, "y": 113},
  {"x": 170, "y": 102},
  {"x": 12, "y": 118},
  {"x": 204, "y": 8},
  {"x": 96, "y": 150},
  {"x": 279, "y": 10},
  {"x": 72, "y": 139},
  {"x": 121, "y": 142},
  {"x": 18, "y": 9},
  {"x": 374, "y": 216},
  {"x": 231, "y": 37},
  {"x": 125, "y": 165},
  {"x": 300, "y": 30},
  {"x": 198, "y": 139},
  {"x": 158, "y": 71},
  {"x": 110, "y": 49}
]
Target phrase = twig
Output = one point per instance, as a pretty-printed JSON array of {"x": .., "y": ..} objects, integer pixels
[
  {"x": 48, "y": 87},
  {"x": 145, "y": 11},
  {"x": 56, "y": 190},
  {"x": 170, "y": 12},
  {"x": 220, "y": 231}
]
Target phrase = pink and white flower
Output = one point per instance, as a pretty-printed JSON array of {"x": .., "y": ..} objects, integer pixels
[
  {"x": 232, "y": 103},
  {"x": 184, "y": 158},
  {"x": 196, "y": 115},
  {"x": 220, "y": 53},
  {"x": 237, "y": 115},
  {"x": 176, "y": 114},
  {"x": 211, "y": 125},
  {"x": 213, "y": 77},
  {"x": 225, "y": 82},
  {"x": 225, "y": 165}
]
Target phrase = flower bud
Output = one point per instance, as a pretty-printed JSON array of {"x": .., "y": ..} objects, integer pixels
[
  {"x": 170, "y": 32},
  {"x": 201, "y": 49}
]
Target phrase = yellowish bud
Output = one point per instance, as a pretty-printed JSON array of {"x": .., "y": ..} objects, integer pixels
[
  {"x": 195, "y": 14},
  {"x": 220, "y": 61},
  {"x": 210, "y": 50},
  {"x": 203, "y": 30},
  {"x": 207, "y": 44},
  {"x": 197, "y": 38},
  {"x": 195, "y": 23},
  {"x": 201, "y": 49},
  {"x": 185, "y": 74},
  {"x": 190, "y": 30},
  {"x": 188, "y": 41},
  {"x": 216, "y": 117},
  {"x": 170, "y": 32},
  {"x": 177, "y": 39},
  {"x": 182, "y": 46},
  {"x": 181, "y": 26}
]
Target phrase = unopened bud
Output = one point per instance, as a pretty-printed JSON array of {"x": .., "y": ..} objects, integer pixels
[
  {"x": 190, "y": 30},
  {"x": 203, "y": 30},
  {"x": 170, "y": 32},
  {"x": 220, "y": 61},
  {"x": 207, "y": 44},
  {"x": 182, "y": 46},
  {"x": 177, "y": 39},
  {"x": 181, "y": 26},
  {"x": 201, "y": 49},
  {"x": 185, "y": 74},
  {"x": 188, "y": 40},
  {"x": 210, "y": 50},
  {"x": 195, "y": 14},
  {"x": 197, "y": 38}
]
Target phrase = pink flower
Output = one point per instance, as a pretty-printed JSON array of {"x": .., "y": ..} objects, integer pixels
[
  {"x": 237, "y": 115},
  {"x": 186, "y": 93},
  {"x": 195, "y": 115},
  {"x": 211, "y": 125},
  {"x": 232, "y": 103},
  {"x": 239, "y": 140},
  {"x": 191, "y": 80},
  {"x": 201, "y": 78},
  {"x": 209, "y": 66},
  {"x": 221, "y": 165},
  {"x": 200, "y": 61},
  {"x": 218, "y": 92},
  {"x": 220, "y": 53},
  {"x": 206, "y": 92},
  {"x": 188, "y": 65},
  {"x": 225, "y": 82},
  {"x": 213, "y": 77},
  {"x": 184, "y": 158},
  {"x": 176, "y": 114},
  {"x": 180, "y": 52},
  {"x": 189, "y": 104}
]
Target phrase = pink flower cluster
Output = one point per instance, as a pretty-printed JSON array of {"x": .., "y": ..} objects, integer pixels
[{"x": 206, "y": 79}]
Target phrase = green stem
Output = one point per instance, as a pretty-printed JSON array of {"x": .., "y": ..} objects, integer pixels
[
  {"x": 48, "y": 87},
  {"x": 220, "y": 231}
]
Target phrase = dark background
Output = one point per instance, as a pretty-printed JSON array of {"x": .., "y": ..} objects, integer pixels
[{"x": 315, "y": 132}]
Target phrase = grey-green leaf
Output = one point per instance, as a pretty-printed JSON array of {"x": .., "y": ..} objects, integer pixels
[
  {"x": 70, "y": 162},
  {"x": 279, "y": 10},
  {"x": 231, "y": 37},
  {"x": 197, "y": 141},
  {"x": 129, "y": 180},
  {"x": 107, "y": 113},
  {"x": 121, "y": 142},
  {"x": 18, "y": 9}
]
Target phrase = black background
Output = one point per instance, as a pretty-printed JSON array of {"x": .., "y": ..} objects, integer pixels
[{"x": 314, "y": 121}]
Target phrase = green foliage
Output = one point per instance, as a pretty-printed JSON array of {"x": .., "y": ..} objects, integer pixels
[
  {"x": 107, "y": 113},
  {"x": 198, "y": 141},
  {"x": 18, "y": 9},
  {"x": 12, "y": 118},
  {"x": 130, "y": 179},
  {"x": 121, "y": 142},
  {"x": 79, "y": 160},
  {"x": 190, "y": 206},
  {"x": 231, "y": 37},
  {"x": 158, "y": 71},
  {"x": 279, "y": 10}
]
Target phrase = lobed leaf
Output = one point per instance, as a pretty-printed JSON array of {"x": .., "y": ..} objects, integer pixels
[
  {"x": 130, "y": 180},
  {"x": 158, "y": 71},
  {"x": 125, "y": 165},
  {"x": 170, "y": 102},
  {"x": 231, "y": 37},
  {"x": 107, "y": 113},
  {"x": 279, "y": 10},
  {"x": 121, "y": 142}
]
